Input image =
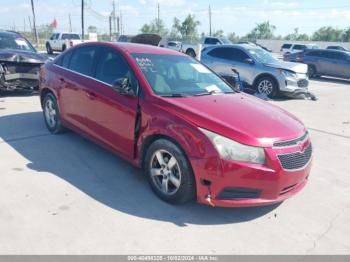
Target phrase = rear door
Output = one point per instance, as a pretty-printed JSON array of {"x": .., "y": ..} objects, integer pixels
[
  {"x": 340, "y": 64},
  {"x": 75, "y": 83},
  {"x": 110, "y": 115}
]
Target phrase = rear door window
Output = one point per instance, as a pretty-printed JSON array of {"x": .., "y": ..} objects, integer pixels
[
  {"x": 286, "y": 46},
  {"x": 233, "y": 54},
  {"x": 299, "y": 47},
  {"x": 82, "y": 60}
]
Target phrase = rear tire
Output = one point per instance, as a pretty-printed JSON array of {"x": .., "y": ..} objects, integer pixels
[
  {"x": 311, "y": 71},
  {"x": 49, "y": 49},
  {"x": 52, "y": 114},
  {"x": 267, "y": 86},
  {"x": 191, "y": 53},
  {"x": 169, "y": 172}
]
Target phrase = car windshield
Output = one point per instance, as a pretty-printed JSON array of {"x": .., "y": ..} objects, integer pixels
[
  {"x": 226, "y": 41},
  {"x": 262, "y": 56},
  {"x": 174, "y": 75},
  {"x": 15, "y": 42}
]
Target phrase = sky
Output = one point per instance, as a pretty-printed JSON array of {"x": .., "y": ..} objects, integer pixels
[{"x": 237, "y": 16}]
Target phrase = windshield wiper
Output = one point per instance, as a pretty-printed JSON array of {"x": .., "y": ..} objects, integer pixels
[
  {"x": 174, "y": 95},
  {"x": 214, "y": 92}
]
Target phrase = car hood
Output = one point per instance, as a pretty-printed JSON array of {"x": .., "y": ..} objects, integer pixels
[
  {"x": 239, "y": 116},
  {"x": 295, "y": 67},
  {"x": 22, "y": 57}
]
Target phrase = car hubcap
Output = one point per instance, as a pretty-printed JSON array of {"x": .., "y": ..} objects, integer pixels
[
  {"x": 265, "y": 87},
  {"x": 165, "y": 172},
  {"x": 50, "y": 113}
]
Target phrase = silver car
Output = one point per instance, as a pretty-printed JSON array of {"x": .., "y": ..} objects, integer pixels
[{"x": 257, "y": 69}]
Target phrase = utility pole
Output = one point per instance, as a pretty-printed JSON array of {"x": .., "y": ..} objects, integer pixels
[
  {"x": 121, "y": 23},
  {"x": 158, "y": 19},
  {"x": 110, "y": 27},
  {"x": 30, "y": 24},
  {"x": 82, "y": 19},
  {"x": 24, "y": 24},
  {"x": 210, "y": 21},
  {"x": 114, "y": 19},
  {"x": 70, "y": 23},
  {"x": 118, "y": 24},
  {"x": 35, "y": 31}
]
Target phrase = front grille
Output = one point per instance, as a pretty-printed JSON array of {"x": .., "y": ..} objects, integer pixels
[
  {"x": 292, "y": 142},
  {"x": 294, "y": 161},
  {"x": 303, "y": 83}
]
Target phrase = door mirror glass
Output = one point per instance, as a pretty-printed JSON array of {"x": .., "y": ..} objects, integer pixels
[
  {"x": 123, "y": 86},
  {"x": 249, "y": 61}
]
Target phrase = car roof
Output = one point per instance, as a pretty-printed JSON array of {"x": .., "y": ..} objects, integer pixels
[
  {"x": 132, "y": 48},
  {"x": 12, "y": 33},
  {"x": 327, "y": 50}
]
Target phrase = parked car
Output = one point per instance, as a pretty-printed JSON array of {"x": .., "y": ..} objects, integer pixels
[
  {"x": 295, "y": 48},
  {"x": 193, "y": 135},
  {"x": 19, "y": 63},
  {"x": 190, "y": 49},
  {"x": 258, "y": 69},
  {"x": 61, "y": 41},
  {"x": 337, "y": 47},
  {"x": 324, "y": 62},
  {"x": 174, "y": 45}
]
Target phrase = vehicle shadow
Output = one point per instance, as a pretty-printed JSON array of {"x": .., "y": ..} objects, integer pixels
[
  {"x": 19, "y": 93},
  {"x": 105, "y": 177}
]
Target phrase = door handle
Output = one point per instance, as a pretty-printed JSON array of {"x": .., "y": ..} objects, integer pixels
[{"x": 62, "y": 80}]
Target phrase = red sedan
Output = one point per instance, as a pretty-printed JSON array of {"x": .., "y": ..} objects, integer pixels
[{"x": 195, "y": 136}]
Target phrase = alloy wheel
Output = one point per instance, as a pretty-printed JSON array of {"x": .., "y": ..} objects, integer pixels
[
  {"x": 265, "y": 87},
  {"x": 50, "y": 113},
  {"x": 165, "y": 172}
]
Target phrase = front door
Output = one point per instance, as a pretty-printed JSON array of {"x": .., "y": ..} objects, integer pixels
[{"x": 110, "y": 115}]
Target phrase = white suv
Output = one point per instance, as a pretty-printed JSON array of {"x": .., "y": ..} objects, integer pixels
[{"x": 295, "y": 48}]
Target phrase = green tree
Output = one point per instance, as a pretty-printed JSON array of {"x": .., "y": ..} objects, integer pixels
[
  {"x": 262, "y": 31},
  {"x": 187, "y": 28},
  {"x": 346, "y": 35},
  {"x": 295, "y": 36},
  {"x": 218, "y": 33},
  {"x": 155, "y": 27},
  {"x": 233, "y": 37},
  {"x": 327, "y": 33}
]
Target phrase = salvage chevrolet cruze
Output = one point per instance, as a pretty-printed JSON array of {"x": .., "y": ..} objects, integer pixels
[{"x": 194, "y": 136}]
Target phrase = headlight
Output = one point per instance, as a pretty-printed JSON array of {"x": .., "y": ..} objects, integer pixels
[
  {"x": 287, "y": 73},
  {"x": 232, "y": 150}
]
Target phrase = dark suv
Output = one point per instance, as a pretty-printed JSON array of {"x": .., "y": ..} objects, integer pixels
[{"x": 324, "y": 62}]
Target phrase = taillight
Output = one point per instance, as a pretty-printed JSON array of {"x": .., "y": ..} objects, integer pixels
[
  {"x": 299, "y": 58},
  {"x": 71, "y": 43}
]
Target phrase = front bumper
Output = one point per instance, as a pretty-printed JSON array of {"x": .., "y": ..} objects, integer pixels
[
  {"x": 236, "y": 184},
  {"x": 293, "y": 85}
]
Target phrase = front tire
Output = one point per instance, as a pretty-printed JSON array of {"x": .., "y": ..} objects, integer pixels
[
  {"x": 49, "y": 49},
  {"x": 169, "y": 172},
  {"x": 52, "y": 114},
  {"x": 267, "y": 86}
]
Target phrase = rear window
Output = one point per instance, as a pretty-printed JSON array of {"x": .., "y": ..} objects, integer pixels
[
  {"x": 70, "y": 37},
  {"x": 286, "y": 46},
  {"x": 211, "y": 41},
  {"x": 82, "y": 60},
  {"x": 299, "y": 47}
]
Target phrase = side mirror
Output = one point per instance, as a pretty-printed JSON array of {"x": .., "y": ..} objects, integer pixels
[
  {"x": 249, "y": 61},
  {"x": 123, "y": 86}
]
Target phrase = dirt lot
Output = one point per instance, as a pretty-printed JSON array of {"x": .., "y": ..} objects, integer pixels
[{"x": 63, "y": 194}]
